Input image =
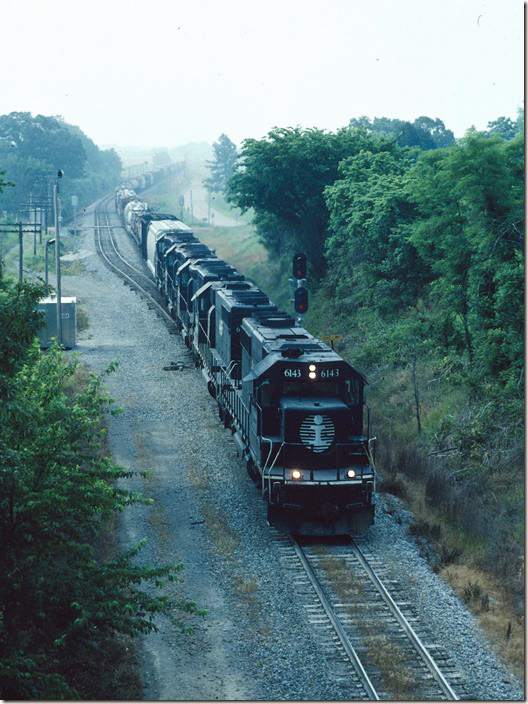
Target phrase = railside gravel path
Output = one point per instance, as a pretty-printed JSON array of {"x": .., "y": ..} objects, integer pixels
[{"x": 256, "y": 641}]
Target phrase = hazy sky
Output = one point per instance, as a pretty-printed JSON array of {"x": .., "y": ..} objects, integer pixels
[{"x": 167, "y": 72}]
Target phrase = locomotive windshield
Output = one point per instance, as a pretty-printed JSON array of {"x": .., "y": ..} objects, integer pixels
[
  {"x": 349, "y": 390},
  {"x": 306, "y": 388}
]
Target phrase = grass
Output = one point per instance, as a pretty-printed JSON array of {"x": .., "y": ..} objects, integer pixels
[
  {"x": 237, "y": 245},
  {"x": 34, "y": 264},
  {"x": 459, "y": 556},
  {"x": 486, "y": 598}
]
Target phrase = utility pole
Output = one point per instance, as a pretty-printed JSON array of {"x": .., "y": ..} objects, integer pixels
[
  {"x": 21, "y": 228},
  {"x": 48, "y": 244},
  {"x": 75, "y": 203},
  {"x": 21, "y": 253},
  {"x": 57, "y": 255}
]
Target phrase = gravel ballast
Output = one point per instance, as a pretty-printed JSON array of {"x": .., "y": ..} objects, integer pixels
[{"x": 256, "y": 641}]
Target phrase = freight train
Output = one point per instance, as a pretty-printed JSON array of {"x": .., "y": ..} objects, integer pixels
[{"x": 295, "y": 407}]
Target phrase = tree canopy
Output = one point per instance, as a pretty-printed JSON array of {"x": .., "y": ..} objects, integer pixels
[
  {"x": 283, "y": 177},
  {"x": 33, "y": 149},
  {"x": 221, "y": 167},
  {"x": 424, "y": 132}
]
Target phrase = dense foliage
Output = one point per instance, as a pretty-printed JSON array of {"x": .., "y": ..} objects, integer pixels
[
  {"x": 33, "y": 149},
  {"x": 444, "y": 232},
  {"x": 283, "y": 177},
  {"x": 424, "y": 132},
  {"x": 61, "y": 603}
]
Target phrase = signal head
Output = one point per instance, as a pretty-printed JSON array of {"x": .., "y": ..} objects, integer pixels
[
  {"x": 299, "y": 266},
  {"x": 300, "y": 300}
]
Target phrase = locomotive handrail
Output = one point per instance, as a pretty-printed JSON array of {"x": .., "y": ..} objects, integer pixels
[
  {"x": 200, "y": 326},
  {"x": 276, "y": 456},
  {"x": 268, "y": 477}
]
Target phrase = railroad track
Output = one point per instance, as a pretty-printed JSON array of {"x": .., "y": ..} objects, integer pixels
[
  {"x": 380, "y": 654},
  {"x": 107, "y": 248}
]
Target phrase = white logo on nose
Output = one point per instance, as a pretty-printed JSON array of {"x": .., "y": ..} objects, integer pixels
[{"x": 317, "y": 432}]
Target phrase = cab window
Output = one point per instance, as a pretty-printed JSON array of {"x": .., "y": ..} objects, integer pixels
[
  {"x": 310, "y": 388},
  {"x": 352, "y": 392}
]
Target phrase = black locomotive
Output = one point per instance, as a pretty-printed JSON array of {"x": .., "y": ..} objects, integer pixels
[{"x": 295, "y": 407}]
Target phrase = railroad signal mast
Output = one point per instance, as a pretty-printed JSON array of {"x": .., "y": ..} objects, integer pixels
[{"x": 298, "y": 285}]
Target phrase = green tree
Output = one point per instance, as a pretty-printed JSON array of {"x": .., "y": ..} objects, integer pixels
[
  {"x": 371, "y": 261},
  {"x": 503, "y": 127},
  {"x": 283, "y": 177},
  {"x": 44, "y": 139},
  {"x": 32, "y": 149},
  {"x": 19, "y": 322},
  {"x": 470, "y": 232},
  {"x": 221, "y": 168}
]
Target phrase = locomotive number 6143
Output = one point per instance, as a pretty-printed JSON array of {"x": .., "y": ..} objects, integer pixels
[
  {"x": 292, "y": 373},
  {"x": 329, "y": 373}
]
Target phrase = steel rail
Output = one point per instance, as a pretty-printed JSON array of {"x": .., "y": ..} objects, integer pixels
[
  {"x": 413, "y": 637},
  {"x": 104, "y": 204},
  {"x": 336, "y": 623},
  {"x": 130, "y": 280}
]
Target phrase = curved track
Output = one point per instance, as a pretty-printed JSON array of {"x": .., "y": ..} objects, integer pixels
[{"x": 107, "y": 248}]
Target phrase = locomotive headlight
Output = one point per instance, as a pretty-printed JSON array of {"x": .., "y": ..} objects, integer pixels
[
  {"x": 351, "y": 473},
  {"x": 312, "y": 375},
  {"x": 312, "y": 368},
  {"x": 296, "y": 474}
]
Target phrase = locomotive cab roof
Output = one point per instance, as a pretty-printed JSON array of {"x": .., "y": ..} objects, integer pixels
[
  {"x": 306, "y": 358},
  {"x": 269, "y": 327},
  {"x": 191, "y": 249},
  {"x": 149, "y": 216},
  {"x": 244, "y": 298}
]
